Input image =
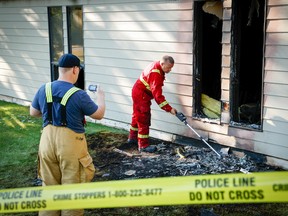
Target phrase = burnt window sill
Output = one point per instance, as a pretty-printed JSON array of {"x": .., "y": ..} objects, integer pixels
[{"x": 254, "y": 127}]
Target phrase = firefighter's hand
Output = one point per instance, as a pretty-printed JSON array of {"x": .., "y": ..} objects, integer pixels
[
  {"x": 100, "y": 97},
  {"x": 173, "y": 111},
  {"x": 100, "y": 93},
  {"x": 99, "y": 114}
]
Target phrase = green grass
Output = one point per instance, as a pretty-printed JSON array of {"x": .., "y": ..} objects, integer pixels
[{"x": 19, "y": 139}]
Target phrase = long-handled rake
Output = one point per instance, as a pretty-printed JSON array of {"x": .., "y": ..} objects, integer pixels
[{"x": 183, "y": 118}]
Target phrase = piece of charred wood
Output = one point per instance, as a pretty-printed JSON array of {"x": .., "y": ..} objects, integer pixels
[{"x": 125, "y": 153}]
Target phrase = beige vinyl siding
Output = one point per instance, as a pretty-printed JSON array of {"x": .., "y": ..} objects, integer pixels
[
  {"x": 273, "y": 140},
  {"x": 24, "y": 50},
  {"x": 121, "y": 39}
]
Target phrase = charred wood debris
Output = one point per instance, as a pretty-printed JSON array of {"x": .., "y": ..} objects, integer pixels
[
  {"x": 123, "y": 161},
  {"x": 114, "y": 159}
]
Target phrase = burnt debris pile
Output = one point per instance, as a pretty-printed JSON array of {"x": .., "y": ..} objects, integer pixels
[{"x": 123, "y": 161}]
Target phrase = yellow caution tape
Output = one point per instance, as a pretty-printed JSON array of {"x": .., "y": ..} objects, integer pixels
[{"x": 203, "y": 189}]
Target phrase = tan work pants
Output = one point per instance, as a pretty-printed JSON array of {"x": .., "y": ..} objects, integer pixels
[{"x": 64, "y": 159}]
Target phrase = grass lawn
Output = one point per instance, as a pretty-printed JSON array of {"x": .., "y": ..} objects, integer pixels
[
  {"x": 19, "y": 139},
  {"x": 19, "y": 145}
]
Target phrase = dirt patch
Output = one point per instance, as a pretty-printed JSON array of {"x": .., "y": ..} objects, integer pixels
[{"x": 115, "y": 159}]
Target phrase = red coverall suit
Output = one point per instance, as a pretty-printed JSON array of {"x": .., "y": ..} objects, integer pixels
[{"x": 147, "y": 87}]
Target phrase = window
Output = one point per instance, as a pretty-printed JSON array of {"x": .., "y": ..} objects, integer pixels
[
  {"x": 247, "y": 62},
  {"x": 75, "y": 31},
  {"x": 207, "y": 59},
  {"x": 75, "y": 38},
  {"x": 55, "y": 19}
]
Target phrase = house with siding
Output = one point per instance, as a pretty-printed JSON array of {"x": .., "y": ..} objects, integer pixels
[{"x": 230, "y": 77}]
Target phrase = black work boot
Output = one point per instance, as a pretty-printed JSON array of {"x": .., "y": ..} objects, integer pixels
[
  {"x": 149, "y": 149},
  {"x": 132, "y": 141}
]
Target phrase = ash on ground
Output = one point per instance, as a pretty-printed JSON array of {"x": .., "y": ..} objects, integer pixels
[{"x": 115, "y": 159}]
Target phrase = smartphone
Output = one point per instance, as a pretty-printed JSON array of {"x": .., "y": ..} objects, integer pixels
[{"x": 92, "y": 88}]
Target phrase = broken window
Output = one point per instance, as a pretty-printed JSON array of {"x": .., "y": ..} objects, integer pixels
[
  {"x": 207, "y": 59},
  {"x": 248, "y": 18}
]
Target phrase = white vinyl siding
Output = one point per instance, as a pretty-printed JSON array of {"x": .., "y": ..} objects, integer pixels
[
  {"x": 273, "y": 139},
  {"x": 121, "y": 39},
  {"x": 24, "y": 50}
]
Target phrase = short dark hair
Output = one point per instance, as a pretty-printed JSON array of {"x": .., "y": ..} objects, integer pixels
[{"x": 168, "y": 58}]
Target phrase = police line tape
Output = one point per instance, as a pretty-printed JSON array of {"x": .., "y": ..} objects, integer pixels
[{"x": 260, "y": 187}]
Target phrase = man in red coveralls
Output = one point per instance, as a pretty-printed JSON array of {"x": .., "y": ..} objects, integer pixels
[{"x": 147, "y": 87}]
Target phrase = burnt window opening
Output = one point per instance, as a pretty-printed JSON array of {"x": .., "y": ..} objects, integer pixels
[
  {"x": 207, "y": 59},
  {"x": 248, "y": 21}
]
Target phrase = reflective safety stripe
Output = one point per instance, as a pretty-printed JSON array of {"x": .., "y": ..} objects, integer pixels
[
  {"x": 49, "y": 100},
  {"x": 145, "y": 83},
  {"x": 143, "y": 136},
  {"x": 133, "y": 128},
  {"x": 163, "y": 104},
  {"x": 48, "y": 91},
  {"x": 156, "y": 70},
  {"x": 68, "y": 94}
]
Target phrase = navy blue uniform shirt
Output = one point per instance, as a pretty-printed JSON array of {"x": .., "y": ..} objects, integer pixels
[{"x": 78, "y": 105}]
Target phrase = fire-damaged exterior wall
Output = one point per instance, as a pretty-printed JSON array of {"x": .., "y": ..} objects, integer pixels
[
  {"x": 271, "y": 140},
  {"x": 121, "y": 37}
]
